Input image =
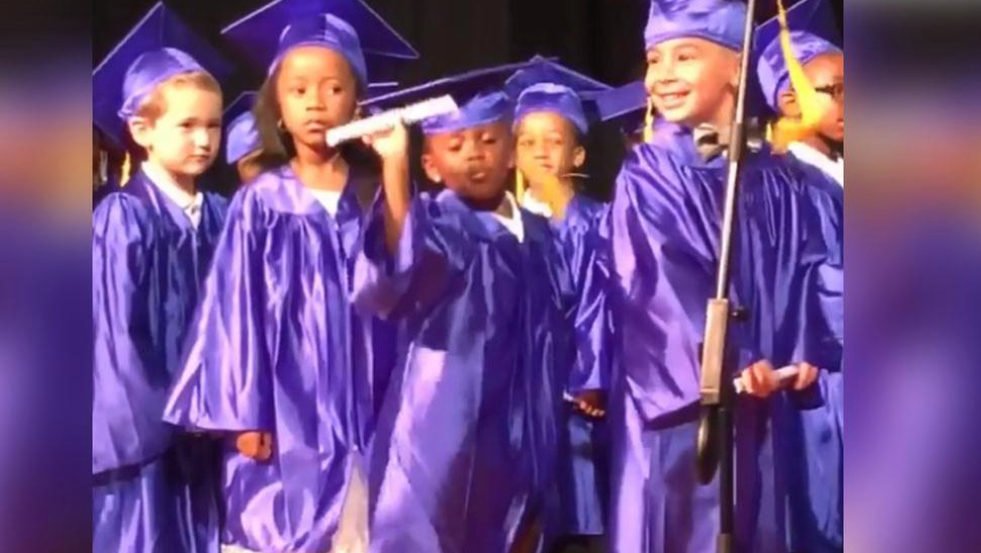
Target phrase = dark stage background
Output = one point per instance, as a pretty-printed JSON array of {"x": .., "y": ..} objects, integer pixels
[{"x": 601, "y": 38}]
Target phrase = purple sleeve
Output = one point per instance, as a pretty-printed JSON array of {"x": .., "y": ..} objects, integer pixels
[
  {"x": 393, "y": 286},
  {"x": 129, "y": 380},
  {"x": 593, "y": 351},
  {"x": 225, "y": 383}
]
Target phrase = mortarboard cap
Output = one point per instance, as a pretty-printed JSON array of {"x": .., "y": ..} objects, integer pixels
[
  {"x": 548, "y": 86},
  {"x": 257, "y": 36},
  {"x": 625, "y": 106},
  {"x": 479, "y": 93},
  {"x": 720, "y": 21},
  {"x": 158, "y": 47},
  {"x": 814, "y": 31},
  {"x": 241, "y": 133}
]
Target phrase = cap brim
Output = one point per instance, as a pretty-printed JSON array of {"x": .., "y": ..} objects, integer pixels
[{"x": 255, "y": 36}]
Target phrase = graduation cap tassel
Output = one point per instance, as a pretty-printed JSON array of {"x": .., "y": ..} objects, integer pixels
[
  {"x": 519, "y": 185},
  {"x": 552, "y": 195},
  {"x": 788, "y": 130},
  {"x": 127, "y": 169},
  {"x": 649, "y": 121},
  {"x": 103, "y": 167}
]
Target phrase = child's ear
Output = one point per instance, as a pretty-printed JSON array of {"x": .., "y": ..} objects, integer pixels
[
  {"x": 736, "y": 69},
  {"x": 578, "y": 157},
  {"x": 139, "y": 129},
  {"x": 428, "y": 167},
  {"x": 787, "y": 102}
]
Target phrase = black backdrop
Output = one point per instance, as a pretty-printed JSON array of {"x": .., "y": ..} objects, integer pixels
[{"x": 602, "y": 38}]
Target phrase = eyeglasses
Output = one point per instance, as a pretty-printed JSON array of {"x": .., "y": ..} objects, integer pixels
[{"x": 836, "y": 90}]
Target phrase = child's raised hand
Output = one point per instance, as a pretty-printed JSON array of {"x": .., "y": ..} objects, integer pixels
[
  {"x": 806, "y": 375},
  {"x": 255, "y": 445},
  {"x": 390, "y": 143}
]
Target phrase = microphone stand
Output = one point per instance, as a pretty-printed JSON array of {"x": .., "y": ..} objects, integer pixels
[{"x": 715, "y": 431}]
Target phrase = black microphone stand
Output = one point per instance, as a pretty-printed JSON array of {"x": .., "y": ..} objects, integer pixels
[{"x": 715, "y": 432}]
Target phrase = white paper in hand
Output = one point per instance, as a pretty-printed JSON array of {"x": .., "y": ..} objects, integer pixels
[
  {"x": 783, "y": 374},
  {"x": 408, "y": 115}
]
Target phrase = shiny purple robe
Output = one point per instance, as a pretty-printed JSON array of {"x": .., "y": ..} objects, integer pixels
[
  {"x": 664, "y": 230},
  {"x": 152, "y": 490},
  {"x": 277, "y": 347},
  {"x": 583, "y": 469},
  {"x": 817, "y": 487},
  {"x": 464, "y": 456}
]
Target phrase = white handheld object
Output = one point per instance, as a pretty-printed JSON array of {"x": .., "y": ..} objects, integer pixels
[
  {"x": 783, "y": 374},
  {"x": 413, "y": 113}
]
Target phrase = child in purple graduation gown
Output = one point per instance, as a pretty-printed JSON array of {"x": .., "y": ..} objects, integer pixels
[
  {"x": 664, "y": 229},
  {"x": 818, "y": 495},
  {"x": 278, "y": 361},
  {"x": 550, "y": 123},
  {"x": 242, "y": 145},
  {"x": 463, "y": 459},
  {"x": 152, "y": 242}
]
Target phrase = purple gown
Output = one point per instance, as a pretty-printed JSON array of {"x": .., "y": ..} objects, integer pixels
[
  {"x": 817, "y": 441},
  {"x": 277, "y": 347},
  {"x": 583, "y": 485},
  {"x": 463, "y": 459},
  {"x": 664, "y": 231},
  {"x": 152, "y": 490}
]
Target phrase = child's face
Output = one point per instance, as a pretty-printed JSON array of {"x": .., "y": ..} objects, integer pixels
[
  {"x": 316, "y": 91},
  {"x": 473, "y": 162},
  {"x": 547, "y": 145},
  {"x": 827, "y": 75},
  {"x": 691, "y": 80},
  {"x": 185, "y": 138}
]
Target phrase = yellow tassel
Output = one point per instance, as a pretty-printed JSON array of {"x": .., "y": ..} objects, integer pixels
[
  {"x": 649, "y": 121},
  {"x": 519, "y": 185},
  {"x": 554, "y": 195},
  {"x": 126, "y": 170},
  {"x": 787, "y": 130}
]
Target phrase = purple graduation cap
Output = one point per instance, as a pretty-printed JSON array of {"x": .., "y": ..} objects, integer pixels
[
  {"x": 813, "y": 32},
  {"x": 548, "y": 86},
  {"x": 720, "y": 21},
  {"x": 257, "y": 36},
  {"x": 479, "y": 93},
  {"x": 625, "y": 106},
  {"x": 241, "y": 133},
  {"x": 158, "y": 47}
]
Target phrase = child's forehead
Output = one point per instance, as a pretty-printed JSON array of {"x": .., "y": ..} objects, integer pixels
[
  {"x": 685, "y": 42},
  {"x": 499, "y": 128},
  {"x": 310, "y": 61},
  {"x": 180, "y": 95},
  {"x": 544, "y": 120},
  {"x": 827, "y": 62}
]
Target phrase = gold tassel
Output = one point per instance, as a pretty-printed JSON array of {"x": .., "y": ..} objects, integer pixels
[
  {"x": 788, "y": 130},
  {"x": 649, "y": 121},
  {"x": 551, "y": 191},
  {"x": 519, "y": 186},
  {"x": 126, "y": 170},
  {"x": 103, "y": 167}
]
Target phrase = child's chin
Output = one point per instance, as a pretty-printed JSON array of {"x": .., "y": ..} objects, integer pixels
[
  {"x": 678, "y": 116},
  {"x": 480, "y": 191},
  {"x": 194, "y": 170}
]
